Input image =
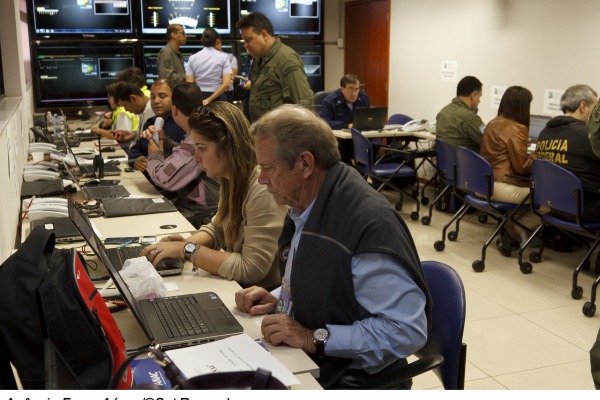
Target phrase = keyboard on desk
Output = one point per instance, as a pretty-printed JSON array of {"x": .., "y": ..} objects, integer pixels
[
  {"x": 179, "y": 317},
  {"x": 105, "y": 192}
]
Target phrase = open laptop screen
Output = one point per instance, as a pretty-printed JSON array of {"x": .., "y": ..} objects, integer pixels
[{"x": 536, "y": 124}]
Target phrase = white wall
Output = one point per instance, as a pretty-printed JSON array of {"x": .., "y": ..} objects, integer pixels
[{"x": 539, "y": 44}]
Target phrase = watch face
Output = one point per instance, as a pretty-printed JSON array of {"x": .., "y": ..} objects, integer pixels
[
  {"x": 321, "y": 334},
  {"x": 189, "y": 247}
]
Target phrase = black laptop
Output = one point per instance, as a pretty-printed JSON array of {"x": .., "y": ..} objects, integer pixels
[
  {"x": 171, "y": 322},
  {"x": 99, "y": 191},
  {"x": 369, "y": 118},
  {"x": 64, "y": 229}
]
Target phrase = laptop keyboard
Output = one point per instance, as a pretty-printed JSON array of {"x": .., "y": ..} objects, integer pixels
[
  {"x": 128, "y": 252},
  {"x": 179, "y": 318},
  {"x": 105, "y": 192}
]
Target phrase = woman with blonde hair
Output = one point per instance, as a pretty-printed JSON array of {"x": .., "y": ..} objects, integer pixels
[{"x": 240, "y": 242}]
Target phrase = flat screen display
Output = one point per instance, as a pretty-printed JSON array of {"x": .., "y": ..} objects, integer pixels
[
  {"x": 56, "y": 18},
  {"x": 297, "y": 18},
  {"x": 312, "y": 58},
  {"x": 193, "y": 15},
  {"x": 150, "y": 57},
  {"x": 77, "y": 75}
]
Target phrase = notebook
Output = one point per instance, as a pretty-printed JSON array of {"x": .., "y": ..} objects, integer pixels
[
  {"x": 161, "y": 319},
  {"x": 122, "y": 207},
  {"x": 51, "y": 187},
  {"x": 63, "y": 228},
  {"x": 369, "y": 118},
  {"x": 88, "y": 171}
]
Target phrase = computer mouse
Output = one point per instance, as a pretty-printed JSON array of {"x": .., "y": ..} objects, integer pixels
[{"x": 92, "y": 182}]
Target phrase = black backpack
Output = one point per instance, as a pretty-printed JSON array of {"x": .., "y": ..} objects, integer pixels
[{"x": 47, "y": 294}]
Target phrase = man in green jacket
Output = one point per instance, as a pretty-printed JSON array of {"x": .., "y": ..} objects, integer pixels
[
  {"x": 277, "y": 74},
  {"x": 458, "y": 123}
]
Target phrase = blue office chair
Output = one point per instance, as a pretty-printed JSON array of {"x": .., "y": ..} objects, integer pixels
[
  {"x": 444, "y": 353},
  {"x": 559, "y": 189},
  {"x": 446, "y": 159},
  {"x": 384, "y": 172},
  {"x": 474, "y": 183},
  {"x": 399, "y": 119}
]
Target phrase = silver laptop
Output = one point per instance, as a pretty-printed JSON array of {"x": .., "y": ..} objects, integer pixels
[
  {"x": 369, "y": 118},
  {"x": 171, "y": 322}
]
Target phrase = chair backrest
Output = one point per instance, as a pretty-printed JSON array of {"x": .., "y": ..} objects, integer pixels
[
  {"x": 555, "y": 187},
  {"x": 363, "y": 148},
  {"x": 319, "y": 96},
  {"x": 399, "y": 119},
  {"x": 446, "y": 160},
  {"x": 474, "y": 174},
  {"x": 448, "y": 323}
]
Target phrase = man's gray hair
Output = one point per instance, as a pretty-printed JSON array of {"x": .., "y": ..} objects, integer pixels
[
  {"x": 573, "y": 96},
  {"x": 297, "y": 129}
]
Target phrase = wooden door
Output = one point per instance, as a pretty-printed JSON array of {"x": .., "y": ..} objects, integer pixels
[{"x": 367, "y": 46}]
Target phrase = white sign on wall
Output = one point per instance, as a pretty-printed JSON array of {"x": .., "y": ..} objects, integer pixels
[
  {"x": 448, "y": 72},
  {"x": 496, "y": 95},
  {"x": 552, "y": 101}
]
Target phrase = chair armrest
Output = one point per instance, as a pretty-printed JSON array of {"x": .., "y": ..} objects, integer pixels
[
  {"x": 398, "y": 375},
  {"x": 518, "y": 177}
]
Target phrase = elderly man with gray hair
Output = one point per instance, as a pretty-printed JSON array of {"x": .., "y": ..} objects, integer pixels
[
  {"x": 565, "y": 141},
  {"x": 353, "y": 295}
]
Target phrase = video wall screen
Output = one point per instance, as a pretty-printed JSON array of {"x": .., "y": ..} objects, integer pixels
[
  {"x": 105, "y": 18},
  {"x": 290, "y": 18},
  {"x": 193, "y": 15}
]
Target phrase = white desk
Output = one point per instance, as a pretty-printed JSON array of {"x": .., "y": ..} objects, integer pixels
[
  {"x": 295, "y": 360},
  {"x": 340, "y": 134}
]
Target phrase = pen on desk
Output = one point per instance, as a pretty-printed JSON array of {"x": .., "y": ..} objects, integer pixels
[{"x": 126, "y": 244}]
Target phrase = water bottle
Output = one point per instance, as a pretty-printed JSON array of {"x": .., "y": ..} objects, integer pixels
[{"x": 57, "y": 124}]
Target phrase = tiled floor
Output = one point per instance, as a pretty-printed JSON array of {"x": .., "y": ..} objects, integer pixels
[{"x": 522, "y": 331}]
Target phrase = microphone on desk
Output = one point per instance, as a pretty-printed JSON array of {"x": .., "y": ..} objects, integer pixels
[{"x": 99, "y": 161}]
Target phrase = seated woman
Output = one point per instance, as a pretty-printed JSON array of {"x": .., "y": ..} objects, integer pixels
[
  {"x": 240, "y": 242},
  {"x": 504, "y": 145},
  {"x": 118, "y": 120}
]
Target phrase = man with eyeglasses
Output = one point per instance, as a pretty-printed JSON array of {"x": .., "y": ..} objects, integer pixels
[
  {"x": 170, "y": 59},
  {"x": 339, "y": 107}
]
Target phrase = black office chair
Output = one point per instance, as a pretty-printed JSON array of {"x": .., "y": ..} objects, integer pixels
[
  {"x": 319, "y": 97},
  {"x": 555, "y": 187},
  {"x": 474, "y": 183},
  {"x": 444, "y": 352},
  {"x": 385, "y": 172}
]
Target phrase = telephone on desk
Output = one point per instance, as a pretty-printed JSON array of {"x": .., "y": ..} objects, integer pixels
[
  {"x": 47, "y": 207},
  {"x": 414, "y": 125}
]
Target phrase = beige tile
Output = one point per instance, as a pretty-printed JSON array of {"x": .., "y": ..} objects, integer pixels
[
  {"x": 481, "y": 307},
  {"x": 570, "y": 376},
  {"x": 568, "y": 323},
  {"x": 512, "y": 344},
  {"x": 484, "y": 384}
]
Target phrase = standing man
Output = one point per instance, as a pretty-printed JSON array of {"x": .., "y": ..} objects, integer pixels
[
  {"x": 278, "y": 75},
  {"x": 564, "y": 141},
  {"x": 353, "y": 294},
  {"x": 458, "y": 123},
  {"x": 210, "y": 68},
  {"x": 170, "y": 60}
]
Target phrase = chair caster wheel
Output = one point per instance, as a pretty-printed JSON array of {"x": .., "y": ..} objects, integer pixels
[
  {"x": 535, "y": 257},
  {"x": 414, "y": 216},
  {"x": 526, "y": 268},
  {"x": 415, "y": 193},
  {"x": 439, "y": 245},
  {"x": 577, "y": 292},
  {"x": 478, "y": 266},
  {"x": 398, "y": 206},
  {"x": 589, "y": 309},
  {"x": 452, "y": 236},
  {"x": 424, "y": 200},
  {"x": 482, "y": 218},
  {"x": 426, "y": 220}
]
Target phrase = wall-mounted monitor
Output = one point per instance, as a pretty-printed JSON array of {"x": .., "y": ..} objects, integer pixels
[
  {"x": 77, "y": 75},
  {"x": 290, "y": 18},
  {"x": 193, "y": 15},
  {"x": 312, "y": 58},
  {"x": 150, "y": 57},
  {"x": 98, "y": 18}
]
